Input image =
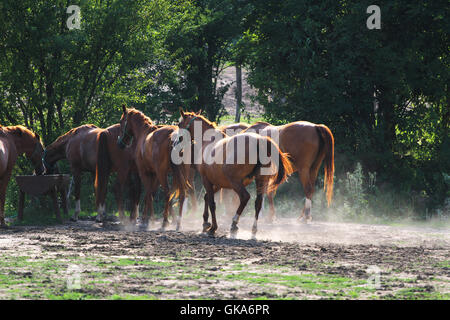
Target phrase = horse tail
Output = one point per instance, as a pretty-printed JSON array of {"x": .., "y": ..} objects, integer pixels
[
  {"x": 284, "y": 165},
  {"x": 180, "y": 177},
  {"x": 103, "y": 168},
  {"x": 328, "y": 148}
]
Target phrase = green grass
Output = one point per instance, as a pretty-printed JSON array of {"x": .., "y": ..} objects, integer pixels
[
  {"x": 419, "y": 293},
  {"x": 25, "y": 277}
]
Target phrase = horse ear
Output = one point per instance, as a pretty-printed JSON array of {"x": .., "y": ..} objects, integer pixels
[
  {"x": 124, "y": 109},
  {"x": 181, "y": 112},
  {"x": 199, "y": 112}
]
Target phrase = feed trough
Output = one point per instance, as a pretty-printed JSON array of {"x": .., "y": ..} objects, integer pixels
[{"x": 44, "y": 185}]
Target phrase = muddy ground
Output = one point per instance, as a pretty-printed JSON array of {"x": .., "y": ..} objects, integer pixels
[{"x": 85, "y": 260}]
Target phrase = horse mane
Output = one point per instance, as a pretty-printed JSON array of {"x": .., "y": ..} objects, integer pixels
[
  {"x": 18, "y": 129},
  {"x": 141, "y": 115},
  {"x": 262, "y": 122},
  {"x": 211, "y": 123}
]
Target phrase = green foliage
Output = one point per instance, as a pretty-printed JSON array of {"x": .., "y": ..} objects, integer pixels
[{"x": 383, "y": 93}]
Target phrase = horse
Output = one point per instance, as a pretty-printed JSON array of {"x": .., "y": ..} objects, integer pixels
[
  {"x": 308, "y": 145},
  {"x": 79, "y": 147},
  {"x": 227, "y": 196},
  {"x": 153, "y": 160},
  {"x": 229, "y": 171},
  {"x": 15, "y": 141},
  {"x": 112, "y": 158}
]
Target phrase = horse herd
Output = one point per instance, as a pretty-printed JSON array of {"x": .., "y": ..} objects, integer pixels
[{"x": 141, "y": 153}]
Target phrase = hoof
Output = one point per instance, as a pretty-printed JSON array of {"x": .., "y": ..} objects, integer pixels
[
  {"x": 206, "y": 226},
  {"x": 304, "y": 220},
  {"x": 253, "y": 236},
  {"x": 233, "y": 232},
  {"x": 73, "y": 219},
  {"x": 164, "y": 226},
  {"x": 178, "y": 228},
  {"x": 143, "y": 226}
]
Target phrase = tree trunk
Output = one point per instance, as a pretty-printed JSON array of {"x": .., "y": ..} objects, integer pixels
[{"x": 238, "y": 93}]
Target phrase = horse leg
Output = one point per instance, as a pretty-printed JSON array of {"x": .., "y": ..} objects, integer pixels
[
  {"x": 206, "y": 224},
  {"x": 271, "y": 218},
  {"x": 135, "y": 194},
  {"x": 261, "y": 189},
  {"x": 210, "y": 191},
  {"x": 305, "y": 179},
  {"x": 244, "y": 196},
  {"x": 193, "y": 199},
  {"x": 151, "y": 185},
  {"x": 183, "y": 206},
  {"x": 148, "y": 203},
  {"x": 3, "y": 185},
  {"x": 77, "y": 192},
  {"x": 167, "y": 201},
  {"x": 118, "y": 191},
  {"x": 191, "y": 190}
]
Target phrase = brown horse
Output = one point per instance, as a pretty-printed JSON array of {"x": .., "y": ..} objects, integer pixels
[
  {"x": 153, "y": 160},
  {"x": 15, "y": 141},
  {"x": 235, "y": 166},
  {"x": 227, "y": 196},
  {"x": 308, "y": 145},
  {"x": 112, "y": 158},
  {"x": 79, "y": 147}
]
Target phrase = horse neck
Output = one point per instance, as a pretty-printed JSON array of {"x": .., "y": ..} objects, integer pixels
[
  {"x": 56, "y": 150},
  {"x": 23, "y": 143},
  {"x": 208, "y": 126},
  {"x": 140, "y": 127}
]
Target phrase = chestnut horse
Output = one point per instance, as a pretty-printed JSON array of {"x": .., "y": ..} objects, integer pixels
[
  {"x": 308, "y": 145},
  {"x": 79, "y": 147},
  {"x": 231, "y": 170},
  {"x": 15, "y": 141},
  {"x": 112, "y": 158},
  {"x": 227, "y": 196},
  {"x": 153, "y": 160}
]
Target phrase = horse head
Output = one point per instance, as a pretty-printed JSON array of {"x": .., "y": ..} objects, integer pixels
[{"x": 125, "y": 139}]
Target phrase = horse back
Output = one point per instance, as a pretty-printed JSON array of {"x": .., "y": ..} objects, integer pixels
[
  {"x": 81, "y": 149},
  {"x": 301, "y": 140}
]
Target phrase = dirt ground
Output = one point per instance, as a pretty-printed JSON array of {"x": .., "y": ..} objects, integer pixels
[{"x": 84, "y": 260}]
